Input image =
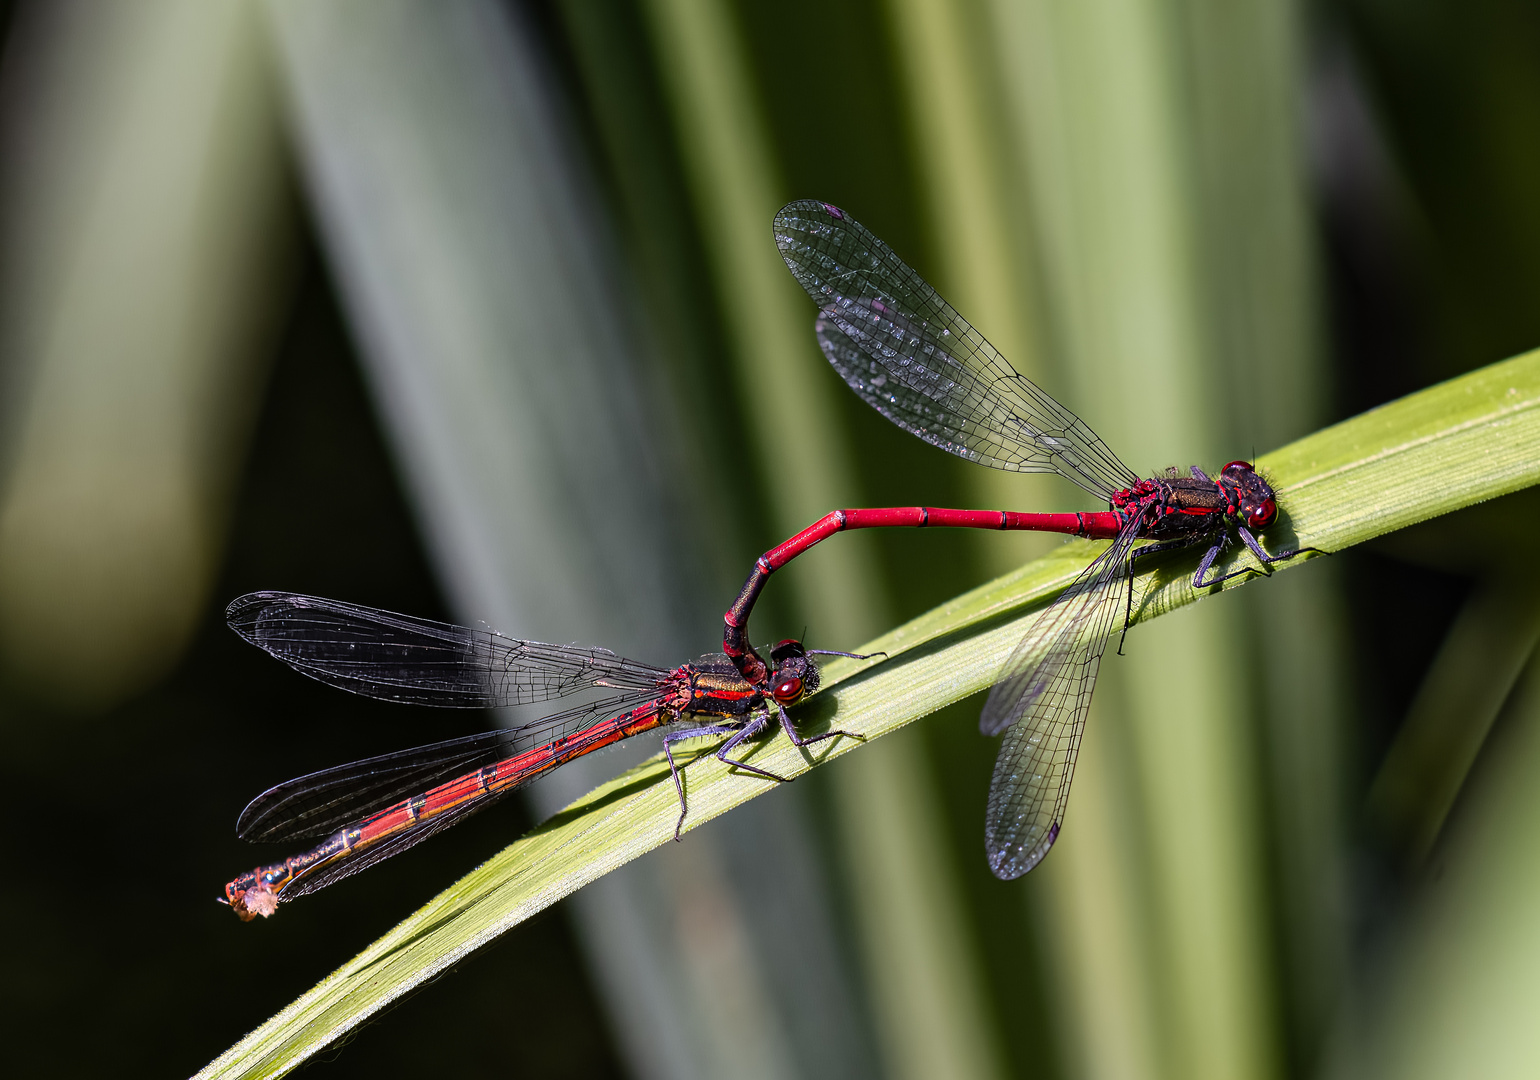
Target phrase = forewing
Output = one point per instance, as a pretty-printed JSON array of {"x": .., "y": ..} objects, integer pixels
[
  {"x": 1040, "y": 703},
  {"x": 322, "y": 802},
  {"x": 914, "y": 359},
  {"x": 381, "y": 654}
]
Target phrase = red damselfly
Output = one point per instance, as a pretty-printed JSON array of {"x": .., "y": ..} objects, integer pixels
[
  {"x": 369, "y": 810},
  {"x": 914, "y": 359}
]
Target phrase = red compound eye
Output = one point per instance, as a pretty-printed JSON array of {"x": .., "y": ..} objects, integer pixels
[
  {"x": 1244, "y": 466},
  {"x": 787, "y": 690},
  {"x": 788, "y": 649},
  {"x": 1263, "y": 515}
]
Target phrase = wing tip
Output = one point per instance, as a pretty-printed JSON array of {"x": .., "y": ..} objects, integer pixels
[
  {"x": 802, "y": 206},
  {"x": 243, "y": 606},
  {"x": 244, "y": 613},
  {"x": 1008, "y": 862},
  {"x": 793, "y": 219}
]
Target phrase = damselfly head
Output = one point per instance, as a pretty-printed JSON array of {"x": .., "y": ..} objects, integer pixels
[
  {"x": 1252, "y": 495},
  {"x": 795, "y": 675}
]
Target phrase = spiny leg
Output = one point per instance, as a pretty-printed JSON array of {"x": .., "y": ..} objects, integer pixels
[
  {"x": 1256, "y": 549},
  {"x": 1208, "y": 562},
  {"x": 798, "y": 741},
  {"x": 738, "y": 732},
  {"x": 755, "y": 727},
  {"x": 1128, "y": 605},
  {"x": 1154, "y": 549},
  {"x": 1199, "y": 583}
]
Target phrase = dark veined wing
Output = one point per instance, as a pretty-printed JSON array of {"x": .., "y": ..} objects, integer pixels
[
  {"x": 380, "y": 654},
  {"x": 1040, "y": 702},
  {"x": 538, "y": 734},
  {"x": 914, "y": 359},
  {"x": 319, "y": 877},
  {"x": 322, "y": 802}
]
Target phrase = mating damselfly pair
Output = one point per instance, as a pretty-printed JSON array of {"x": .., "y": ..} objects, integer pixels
[{"x": 912, "y": 357}]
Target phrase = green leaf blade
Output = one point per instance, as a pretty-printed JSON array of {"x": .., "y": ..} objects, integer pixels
[{"x": 1444, "y": 448}]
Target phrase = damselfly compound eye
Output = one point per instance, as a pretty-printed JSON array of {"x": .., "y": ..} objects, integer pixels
[
  {"x": 789, "y": 649},
  {"x": 788, "y": 690},
  {"x": 1263, "y": 515}
]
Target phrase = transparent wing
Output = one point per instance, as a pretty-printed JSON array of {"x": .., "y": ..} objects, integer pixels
[
  {"x": 1040, "y": 702},
  {"x": 380, "y": 654},
  {"x": 323, "y": 802},
  {"x": 540, "y": 733},
  {"x": 914, "y": 359}
]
